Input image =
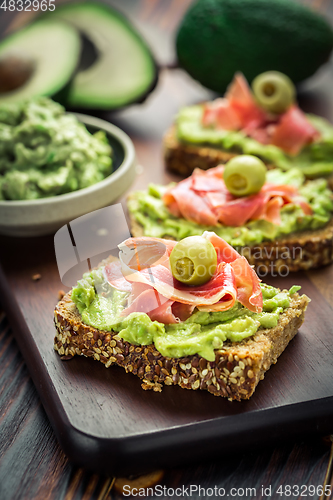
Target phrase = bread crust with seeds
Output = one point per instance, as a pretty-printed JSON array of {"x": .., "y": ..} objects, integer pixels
[
  {"x": 235, "y": 373},
  {"x": 182, "y": 158}
]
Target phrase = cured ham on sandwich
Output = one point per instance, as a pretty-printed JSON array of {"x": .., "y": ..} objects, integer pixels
[
  {"x": 144, "y": 270},
  {"x": 204, "y": 199},
  {"x": 238, "y": 110}
]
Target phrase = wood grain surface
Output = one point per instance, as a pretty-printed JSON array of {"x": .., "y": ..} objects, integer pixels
[{"x": 31, "y": 463}]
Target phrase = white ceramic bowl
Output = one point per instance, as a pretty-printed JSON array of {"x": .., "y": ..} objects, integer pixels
[{"x": 46, "y": 215}]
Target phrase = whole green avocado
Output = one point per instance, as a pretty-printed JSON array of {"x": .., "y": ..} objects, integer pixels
[{"x": 217, "y": 38}]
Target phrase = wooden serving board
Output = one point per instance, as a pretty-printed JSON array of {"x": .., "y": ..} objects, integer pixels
[{"x": 106, "y": 422}]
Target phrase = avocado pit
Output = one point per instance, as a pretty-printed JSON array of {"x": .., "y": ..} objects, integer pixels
[{"x": 15, "y": 71}]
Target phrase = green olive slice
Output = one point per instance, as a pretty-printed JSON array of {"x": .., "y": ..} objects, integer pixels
[
  {"x": 274, "y": 91},
  {"x": 193, "y": 261},
  {"x": 244, "y": 175}
]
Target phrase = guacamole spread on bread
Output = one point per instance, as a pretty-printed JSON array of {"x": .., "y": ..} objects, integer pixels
[
  {"x": 46, "y": 152},
  {"x": 200, "y": 334},
  {"x": 148, "y": 210},
  {"x": 315, "y": 159}
]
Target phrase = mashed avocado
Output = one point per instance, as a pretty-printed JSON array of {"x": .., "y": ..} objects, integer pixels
[
  {"x": 148, "y": 209},
  {"x": 200, "y": 334},
  {"x": 315, "y": 160},
  {"x": 46, "y": 152}
]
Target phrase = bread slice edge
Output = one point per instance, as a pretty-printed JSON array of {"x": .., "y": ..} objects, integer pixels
[
  {"x": 182, "y": 157},
  {"x": 235, "y": 373},
  {"x": 297, "y": 251}
]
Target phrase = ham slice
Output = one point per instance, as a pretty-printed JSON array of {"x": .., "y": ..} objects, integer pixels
[
  {"x": 168, "y": 313},
  {"x": 239, "y": 95},
  {"x": 209, "y": 113},
  {"x": 247, "y": 282},
  {"x": 146, "y": 299},
  {"x": 203, "y": 198},
  {"x": 160, "y": 278},
  {"x": 272, "y": 210},
  {"x": 248, "y": 286},
  {"x": 238, "y": 211},
  {"x": 303, "y": 204},
  {"x": 262, "y": 135},
  {"x": 221, "y": 114},
  {"x": 293, "y": 131},
  {"x": 201, "y": 180},
  {"x": 183, "y": 199},
  {"x": 156, "y": 292},
  {"x": 238, "y": 110},
  {"x": 112, "y": 274}
]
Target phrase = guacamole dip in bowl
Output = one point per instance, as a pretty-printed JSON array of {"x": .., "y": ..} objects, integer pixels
[
  {"x": 45, "y": 151},
  {"x": 87, "y": 169}
]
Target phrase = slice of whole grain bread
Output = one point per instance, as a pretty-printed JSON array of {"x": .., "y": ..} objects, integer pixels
[
  {"x": 293, "y": 252},
  {"x": 235, "y": 373},
  {"x": 183, "y": 158}
]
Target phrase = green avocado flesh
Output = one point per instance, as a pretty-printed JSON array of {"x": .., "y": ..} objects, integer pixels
[
  {"x": 200, "y": 334},
  {"x": 124, "y": 70},
  {"x": 315, "y": 160},
  {"x": 217, "y": 38},
  {"x": 46, "y": 152},
  {"x": 53, "y": 49},
  {"x": 148, "y": 209}
]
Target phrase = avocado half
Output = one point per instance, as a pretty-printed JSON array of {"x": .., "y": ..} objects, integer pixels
[
  {"x": 47, "y": 52},
  {"x": 217, "y": 38},
  {"x": 124, "y": 70}
]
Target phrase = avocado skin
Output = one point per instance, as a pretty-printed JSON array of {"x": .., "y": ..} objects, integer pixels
[{"x": 217, "y": 38}]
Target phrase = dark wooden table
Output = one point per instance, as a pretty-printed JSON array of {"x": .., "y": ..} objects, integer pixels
[{"x": 32, "y": 465}]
